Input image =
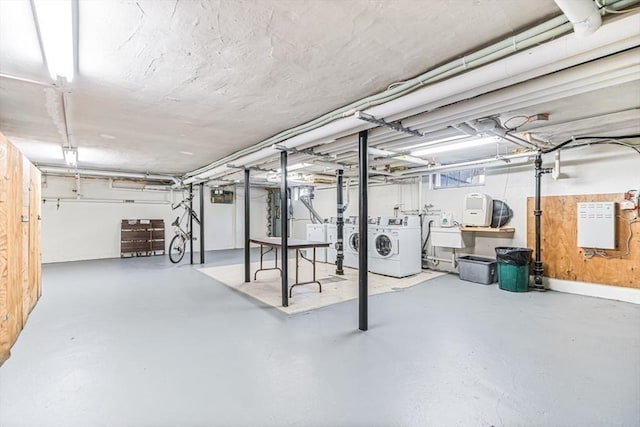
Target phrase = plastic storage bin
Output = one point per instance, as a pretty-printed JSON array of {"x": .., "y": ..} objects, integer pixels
[
  {"x": 513, "y": 268},
  {"x": 477, "y": 269}
]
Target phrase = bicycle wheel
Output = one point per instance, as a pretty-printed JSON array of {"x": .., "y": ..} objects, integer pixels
[{"x": 177, "y": 248}]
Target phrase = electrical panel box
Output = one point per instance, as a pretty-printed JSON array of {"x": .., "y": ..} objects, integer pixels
[{"x": 597, "y": 225}]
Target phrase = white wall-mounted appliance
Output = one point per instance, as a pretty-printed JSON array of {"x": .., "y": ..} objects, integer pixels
[
  {"x": 477, "y": 210},
  {"x": 317, "y": 233},
  {"x": 597, "y": 225}
]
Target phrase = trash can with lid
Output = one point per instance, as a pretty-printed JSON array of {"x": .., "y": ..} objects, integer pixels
[{"x": 513, "y": 268}]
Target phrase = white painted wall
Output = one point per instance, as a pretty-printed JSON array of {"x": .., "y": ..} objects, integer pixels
[
  {"x": 89, "y": 230},
  {"x": 258, "y": 215},
  {"x": 593, "y": 170}
]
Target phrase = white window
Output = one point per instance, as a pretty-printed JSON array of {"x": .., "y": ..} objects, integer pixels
[{"x": 462, "y": 178}]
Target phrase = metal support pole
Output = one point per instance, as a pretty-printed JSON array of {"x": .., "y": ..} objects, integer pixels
[
  {"x": 363, "y": 248},
  {"x": 247, "y": 222},
  {"x": 284, "y": 227},
  {"x": 340, "y": 225},
  {"x": 538, "y": 269},
  {"x": 191, "y": 223},
  {"x": 202, "y": 223}
]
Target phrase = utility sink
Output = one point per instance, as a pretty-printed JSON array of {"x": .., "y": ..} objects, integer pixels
[{"x": 451, "y": 237}]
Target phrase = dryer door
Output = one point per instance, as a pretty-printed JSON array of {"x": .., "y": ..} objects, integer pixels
[
  {"x": 354, "y": 242},
  {"x": 385, "y": 245}
]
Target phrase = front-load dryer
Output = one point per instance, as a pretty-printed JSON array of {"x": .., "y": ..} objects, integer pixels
[
  {"x": 352, "y": 242},
  {"x": 410, "y": 245},
  {"x": 382, "y": 245}
]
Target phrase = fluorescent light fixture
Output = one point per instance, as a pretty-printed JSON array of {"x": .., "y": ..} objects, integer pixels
[
  {"x": 291, "y": 177},
  {"x": 54, "y": 19},
  {"x": 412, "y": 159},
  {"x": 396, "y": 156},
  {"x": 436, "y": 141},
  {"x": 296, "y": 167},
  {"x": 70, "y": 156},
  {"x": 472, "y": 143}
]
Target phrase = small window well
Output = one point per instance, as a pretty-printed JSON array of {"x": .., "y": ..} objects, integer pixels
[{"x": 462, "y": 178}]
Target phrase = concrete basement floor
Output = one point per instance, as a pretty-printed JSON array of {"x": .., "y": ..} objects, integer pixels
[{"x": 140, "y": 342}]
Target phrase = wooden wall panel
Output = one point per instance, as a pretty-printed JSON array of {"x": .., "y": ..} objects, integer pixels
[
  {"x": 24, "y": 218},
  {"x": 15, "y": 250},
  {"x": 5, "y": 339},
  {"x": 35, "y": 257},
  {"x": 37, "y": 188},
  {"x": 562, "y": 258},
  {"x": 20, "y": 270}
]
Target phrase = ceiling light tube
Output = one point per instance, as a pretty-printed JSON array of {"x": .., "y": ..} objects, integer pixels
[
  {"x": 436, "y": 142},
  {"x": 54, "y": 20},
  {"x": 398, "y": 156},
  {"x": 296, "y": 167},
  {"x": 472, "y": 143}
]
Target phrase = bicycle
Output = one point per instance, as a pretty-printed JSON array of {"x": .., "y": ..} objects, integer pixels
[{"x": 178, "y": 245}]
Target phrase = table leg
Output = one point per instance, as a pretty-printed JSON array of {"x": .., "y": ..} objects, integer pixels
[
  {"x": 313, "y": 262},
  {"x": 262, "y": 253},
  {"x": 314, "y": 270}
]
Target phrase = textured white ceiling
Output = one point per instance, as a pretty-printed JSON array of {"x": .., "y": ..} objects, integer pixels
[{"x": 158, "y": 79}]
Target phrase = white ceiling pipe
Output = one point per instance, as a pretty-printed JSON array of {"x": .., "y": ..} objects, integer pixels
[
  {"x": 482, "y": 102},
  {"x": 332, "y": 148},
  {"x": 264, "y": 153},
  {"x": 334, "y": 129},
  {"x": 350, "y": 145},
  {"x": 614, "y": 119},
  {"x": 141, "y": 187},
  {"x": 385, "y": 134},
  {"x": 26, "y": 80},
  {"x": 546, "y": 58},
  {"x": 452, "y": 166},
  {"x": 105, "y": 173},
  {"x": 606, "y": 72},
  {"x": 93, "y": 200},
  {"x": 274, "y": 163},
  {"x": 564, "y": 52},
  {"x": 600, "y": 46},
  {"x": 429, "y": 137},
  {"x": 482, "y": 109},
  {"x": 583, "y": 15},
  {"x": 541, "y": 33}
]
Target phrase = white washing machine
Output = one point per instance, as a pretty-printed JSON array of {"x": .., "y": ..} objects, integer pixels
[
  {"x": 351, "y": 242},
  {"x": 395, "y": 248},
  {"x": 332, "y": 238},
  {"x": 317, "y": 233},
  {"x": 377, "y": 226}
]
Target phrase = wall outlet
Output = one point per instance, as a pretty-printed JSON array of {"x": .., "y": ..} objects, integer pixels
[{"x": 627, "y": 205}]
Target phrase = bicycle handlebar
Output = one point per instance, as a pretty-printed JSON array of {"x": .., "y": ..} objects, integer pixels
[{"x": 181, "y": 203}]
